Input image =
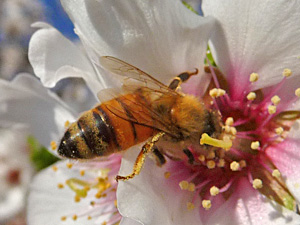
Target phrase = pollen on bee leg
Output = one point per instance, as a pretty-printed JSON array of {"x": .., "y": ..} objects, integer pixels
[
  {"x": 190, "y": 205},
  {"x": 275, "y": 100},
  {"x": 205, "y": 139},
  {"x": 272, "y": 109},
  {"x": 53, "y": 145},
  {"x": 276, "y": 173},
  {"x": 255, "y": 145},
  {"x": 257, "y": 183},
  {"x": 251, "y": 96},
  {"x": 235, "y": 166},
  {"x": 214, "y": 191},
  {"x": 287, "y": 72},
  {"x": 297, "y": 92},
  {"x": 206, "y": 204},
  {"x": 279, "y": 130},
  {"x": 253, "y": 77}
]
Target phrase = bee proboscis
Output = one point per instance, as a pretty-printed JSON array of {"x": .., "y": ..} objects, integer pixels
[{"x": 149, "y": 110}]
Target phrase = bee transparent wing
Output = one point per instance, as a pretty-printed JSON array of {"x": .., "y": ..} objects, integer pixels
[
  {"x": 122, "y": 68},
  {"x": 110, "y": 93}
]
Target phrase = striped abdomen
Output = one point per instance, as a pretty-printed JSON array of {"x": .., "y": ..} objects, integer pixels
[{"x": 107, "y": 128}]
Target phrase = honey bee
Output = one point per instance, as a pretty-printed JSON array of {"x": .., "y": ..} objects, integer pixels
[{"x": 149, "y": 111}]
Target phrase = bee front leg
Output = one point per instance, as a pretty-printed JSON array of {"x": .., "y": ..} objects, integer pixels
[
  {"x": 183, "y": 77},
  {"x": 140, "y": 160},
  {"x": 158, "y": 156}
]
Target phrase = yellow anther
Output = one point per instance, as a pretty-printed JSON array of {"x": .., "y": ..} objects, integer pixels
[
  {"x": 205, "y": 139},
  {"x": 89, "y": 217},
  {"x": 53, "y": 145},
  {"x": 93, "y": 203},
  {"x": 191, "y": 187},
  {"x": 257, "y": 183},
  {"x": 279, "y": 130},
  {"x": 74, "y": 217},
  {"x": 69, "y": 165},
  {"x": 229, "y": 121},
  {"x": 234, "y": 166},
  {"x": 63, "y": 218},
  {"x": 297, "y": 92},
  {"x": 206, "y": 204},
  {"x": 211, "y": 155},
  {"x": 184, "y": 185},
  {"x": 287, "y": 72},
  {"x": 82, "y": 172},
  {"x": 60, "y": 185},
  {"x": 226, "y": 128},
  {"x": 86, "y": 188},
  {"x": 167, "y": 175},
  {"x": 242, "y": 163},
  {"x": 255, "y": 145},
  {"x": 67, "y": 123},
  {"x": 115, "y": 203},
  {"x": 233, "y": 130},
  {"x": 221, "y": 163},
  {"x": 104, "y": 223},
  {"x": 210, "y": 164},
  {"x": 201, "y": 158},
  {"x": 276, "y": 173},
  {"x": 221, "y": 92},
  {"x": 98, "y": 194},
  {"x": 275, "y": 100},
  {"x": 214, "y": 191},
  {"x": 190, "y": 205},
  {"x": 251, "y": 96},
  {"x": 77, "y": 198},
  {"x": 213, "y": 92},
  {"x": 54, "y": 168},
  {"x": 272, "y": 109},
  {"x": 253, "y": 77}
]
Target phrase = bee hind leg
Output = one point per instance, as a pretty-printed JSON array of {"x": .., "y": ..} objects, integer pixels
[
  {"x": 139, "y": 162},
  {"x": 183, "y": 77},
  {"x": 158, "y": 156}
]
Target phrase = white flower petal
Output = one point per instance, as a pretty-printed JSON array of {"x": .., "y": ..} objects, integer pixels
[
  {"x": 247, "y": 206},
  {"x": 26, "y": 101},
  {"x": 53, "y": 57},
  {"x": 148, "y": 199},
  {"x": 47, "y": 204},
  {"x": 128, "y": 221},
  {"x": 163, "y": 38},
  {"x": 255, "y": 36}
]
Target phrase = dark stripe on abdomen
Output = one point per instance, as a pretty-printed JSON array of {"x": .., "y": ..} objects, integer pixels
[{"x": 68, "y": 147}]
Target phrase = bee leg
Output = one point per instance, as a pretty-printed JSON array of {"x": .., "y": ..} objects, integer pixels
[
  {"x": 183, "y": 77},
  {"x": 147, "y": 147},
  {"x": 190, "y": 156},
  {"x": 159, "y": 157}
]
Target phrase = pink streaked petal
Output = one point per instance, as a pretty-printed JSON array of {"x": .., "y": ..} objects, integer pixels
[
  {"x": 247, "y": 206},
  {"x": 163, "y": 38},
  {"x": 256, "y": 36},
  {"x": 149, "y": 199}
]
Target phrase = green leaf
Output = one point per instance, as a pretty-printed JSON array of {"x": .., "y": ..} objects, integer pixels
[
  {"x": 39, "y": 155},
  {"x": 190, "y": 7}
]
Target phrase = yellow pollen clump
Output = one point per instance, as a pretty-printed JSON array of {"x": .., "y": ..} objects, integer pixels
[
  {"x": 206, "y": 204},
  {"x": 251, "y": 96},
  {"x": 190, "y": 206},
  {"x": 257, "y": 183},
  {"x": 242, "y": 163},
  {"x": 279, "y": 130},
  {"x": 82, "y": 172},
  {"x": 60, "y": 185},
  {"x": 191, "y": 187},
  {"x": 167, "y": 175},
  {"x": 211, "y": 164},
  {"x": 63, "y": 218},
  {"x": 272, "y": 109},
  {"x": 255, "y": 145},
  {"x": 67, "y": 123},
  {"x": 54, "y": 168},
  {"x": 69, "y": 165},
  {"x": 287, "y": 72},
  {"x": 74, "y": 217},
  {"x": 297, "y": 92},
  {"x": 214, "y": 191},
  {"x": 77, "y": 198},
  {"x": 184, "y": 185},
  {"x": 221, "y": 163},
  {"x": 275, "y": 100},
  {"x": 234, "y": 166},
  {"x": 253, "y": 77},
  {"x": 201, "y": 158},
  {"x": 211, "y": 155},
  {"x": 53, "y": 145},
  {"x": 276, "y": 173},
  {"x": 229, "y": 121}
]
